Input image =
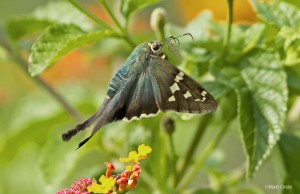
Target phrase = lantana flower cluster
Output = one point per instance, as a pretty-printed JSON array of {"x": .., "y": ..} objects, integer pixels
[
  {"x": 78, "y": 187},
  {"x": 114, "y": 184}
]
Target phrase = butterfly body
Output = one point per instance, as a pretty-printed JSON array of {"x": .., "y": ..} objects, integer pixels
[{"x": 146, "y": 84}]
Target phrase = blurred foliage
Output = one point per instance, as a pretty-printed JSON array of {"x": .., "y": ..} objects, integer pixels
[{"x": 253, "y": 70}]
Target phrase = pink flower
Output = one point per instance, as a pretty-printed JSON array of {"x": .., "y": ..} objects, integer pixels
[
  {"x": 78, "y": 187},
  {"x": 108, "y": 184}
]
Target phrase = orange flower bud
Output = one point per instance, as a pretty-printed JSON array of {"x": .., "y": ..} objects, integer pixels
[
  {"x": 136, "y": 167},
  {"x": 125, "y": 174},
  {"x": 135, "y": 174},
  {"x": 131, "y": 184},
  {"x": 110, "y": 167}
]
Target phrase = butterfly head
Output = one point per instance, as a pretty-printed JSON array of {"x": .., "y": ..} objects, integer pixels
[{"x": 156, "y": 47}]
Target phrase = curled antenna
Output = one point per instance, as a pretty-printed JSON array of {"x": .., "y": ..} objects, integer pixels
[{"x": 176, "y": 41}]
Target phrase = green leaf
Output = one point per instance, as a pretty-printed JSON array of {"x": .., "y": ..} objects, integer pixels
[
  {"x": 278, "y": 13},
  {"x": 3, "y": 54},
  {"x": 228, "y": 76},
  {"x": 129, "y": 6},
  {"x": 216, "y": 89},
  {"x": 293, "y": 75},
  {"x": 293, "y": 2},
  {"x": 199, "y": 51},
  {"x": 64, "y": 13},
  {"x": 19, "y": 27},
  {"x": 261, "y": 88},
  {"x": 58, "y": 40},
  {"x": 60, "y": 12},
  {"x": 23, "y": 128},
  {"x": 205, "y": 191},
  {"x": 263, "y": 106},
  {"x": 84, "y": 163},
  {"x": 289, "y": 146},
  {"x": 199, "y": 34},
  {"x": 291, "y": 48},
  {"x": 253, "y": 37}
]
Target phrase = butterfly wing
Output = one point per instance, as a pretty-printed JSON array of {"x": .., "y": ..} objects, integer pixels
[
  {"x": 137, "y": 93},
  {"x": 135, "y": 99},
  {"x": 175, "y": 91},
  {"x": 130, "y": 96}
]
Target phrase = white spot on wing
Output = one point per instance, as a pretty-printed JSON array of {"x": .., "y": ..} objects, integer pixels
[
  {"x": 201, "y": 100},
  {"x": 107, "y": 97},
  {"x": 134, "y": 118},
  {"x": 148, "y": 115},
  {"x": 143, "y": 115},
  {"x": 179, "y": 76},
  {"x": 174, "y": 88},
  {"x": 172, "y": 98},
  {"x": 203, "y": 93},
  {"x": 187, "y": 94}
]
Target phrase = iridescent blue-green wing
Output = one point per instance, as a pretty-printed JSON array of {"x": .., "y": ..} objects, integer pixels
[
  {"x": 128, "y": 99},
  {"x": 111, "y": 108},
  {"x": 176, "y": 91},
  {"x": 141, "y": 101},
  {"x": 129, "y": 96}
]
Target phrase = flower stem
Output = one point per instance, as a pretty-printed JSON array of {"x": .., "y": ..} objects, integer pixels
[
  {"x": 91, "y": 16},
  {"x": 172, "y": 147},
  {"x": 110, "y": 13},
  {"x": 129, "y": 41},
  {"x": 148, "y": 179},
  {"x": 201, "y": 159},
  {"x": 193, "y": 146},
  {"x": 173, "y": 159},
  {"x": 123, "y": 34},
  {"x": 230, "y": 17},
  {"x": 51, "y": 91},
  {"x": 16, "y": 56},
  {"x": 123, "y": 30}
]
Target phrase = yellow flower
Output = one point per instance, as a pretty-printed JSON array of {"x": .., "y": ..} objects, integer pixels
[
  {"x": 135, "y": 157},
  {"x": 106, "y": 185},
  {"x": 144, "y": 150},
  {"x": 128, "y": 167}
]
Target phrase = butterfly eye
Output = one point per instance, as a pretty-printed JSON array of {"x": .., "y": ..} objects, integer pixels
[{"x": 156, "y": 47}]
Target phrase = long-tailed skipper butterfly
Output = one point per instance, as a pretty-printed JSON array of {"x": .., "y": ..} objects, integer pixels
[{"x": 146, "y": 84}]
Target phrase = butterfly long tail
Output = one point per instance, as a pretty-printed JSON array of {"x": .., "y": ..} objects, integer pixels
[
  {"x": 102, "y": 117},
  {"x": 80, "y": 127},
  {"x": 84, "y": 141},
  {"x": 100, "y": 123}
]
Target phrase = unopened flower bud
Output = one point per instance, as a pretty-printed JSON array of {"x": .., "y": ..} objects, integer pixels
[
  {"x": 122, "y": 181},
  {"x": 168, "y": 125},
  {"x": 158, "y": 21},
  {"x": 125, "y": 174},
  {"x": 131, "y": 184},
  {"x": 135, "y": 174},
  {"x": 109, "y": 168},
  {"x": 136, "y": 167}
]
